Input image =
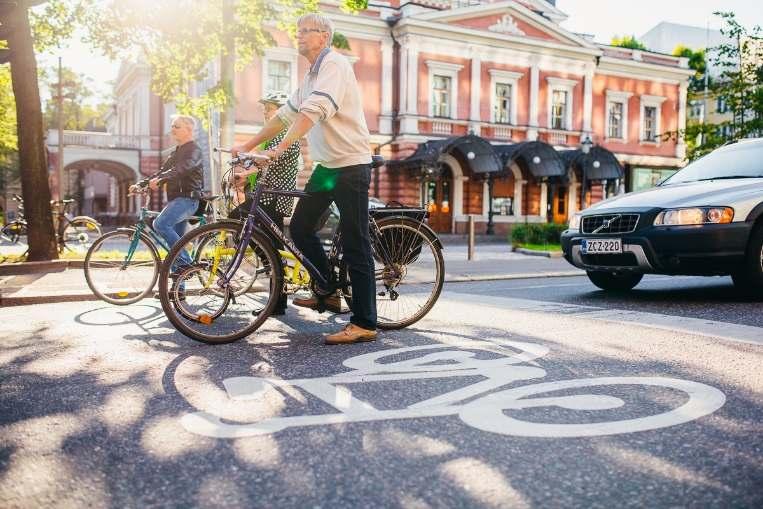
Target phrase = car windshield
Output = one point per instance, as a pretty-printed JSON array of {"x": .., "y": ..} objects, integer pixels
[{"x": 744, "y": 160}]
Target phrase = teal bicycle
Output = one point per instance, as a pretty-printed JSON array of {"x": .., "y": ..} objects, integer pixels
[{"x": 122, "y": 266}]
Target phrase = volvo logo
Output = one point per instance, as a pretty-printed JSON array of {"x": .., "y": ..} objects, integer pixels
[{"x": 605, "y": 225}]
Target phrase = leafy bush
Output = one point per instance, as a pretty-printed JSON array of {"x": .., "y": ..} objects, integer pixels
[{"x": 537, "y": 233}]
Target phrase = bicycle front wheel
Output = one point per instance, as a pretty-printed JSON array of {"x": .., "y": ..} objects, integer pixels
[
  {"x": 194, "y": 296},
  {"x": 121, "y": 267},
  {"x": 409, "y": 271}
]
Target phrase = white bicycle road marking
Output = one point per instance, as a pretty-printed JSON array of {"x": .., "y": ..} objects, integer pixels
[{"x": 483, "y": 409}]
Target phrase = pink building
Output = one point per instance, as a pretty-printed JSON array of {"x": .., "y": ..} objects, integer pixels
[{"x": 488, "y": 77}]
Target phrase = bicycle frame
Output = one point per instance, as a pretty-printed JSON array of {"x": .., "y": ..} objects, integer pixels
[{"x": 257, "y": 216}]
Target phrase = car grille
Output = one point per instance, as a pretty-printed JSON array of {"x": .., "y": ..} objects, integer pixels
[{"x": 616, "y": 223}]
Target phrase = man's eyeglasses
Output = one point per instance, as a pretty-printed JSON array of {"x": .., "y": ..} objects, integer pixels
[
  {"x": 176, "y": 126},
  {"x": 305, "y": 31}
]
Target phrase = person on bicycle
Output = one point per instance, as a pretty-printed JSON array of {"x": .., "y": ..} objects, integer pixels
[
  {"x": 328, "y": 108},
  {"x": 183, "y": 173},
  {"x": 282, "y": 175}
]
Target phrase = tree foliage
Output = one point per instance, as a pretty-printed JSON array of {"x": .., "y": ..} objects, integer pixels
[
  {"x": 78, "y": 115},
  {"x": 740, "y": 87},
  {"x": 9, "y": 171},
  {"x": 697, "y": 62},
  {"x": 627, "y": 41},
  {"x": 179, "y": 39}
]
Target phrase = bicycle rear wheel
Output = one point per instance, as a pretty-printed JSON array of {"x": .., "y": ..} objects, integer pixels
[
  {"x": 196, "y": 303},
  {"x": 409, "y": 285},
  {"x": 121, "y": 267},
  {"x": 80, "y": 233}
]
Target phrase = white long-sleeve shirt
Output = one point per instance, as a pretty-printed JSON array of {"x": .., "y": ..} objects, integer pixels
[{"x": 330, "y": 97}]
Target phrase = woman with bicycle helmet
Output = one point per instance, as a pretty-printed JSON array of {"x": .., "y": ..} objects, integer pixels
[{"x": 282, "y": 175}]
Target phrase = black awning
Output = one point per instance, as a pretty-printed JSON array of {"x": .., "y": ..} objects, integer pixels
[
  {"x": 471, "y": 151},
  {"x": 598, "y": 164},
  {"x": 535, "y": 157}
]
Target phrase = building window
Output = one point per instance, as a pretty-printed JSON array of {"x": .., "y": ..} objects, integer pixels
[
  {"x": 615, "y": 120},
  {"x": 441, "y": 96},
  {"x": 646, "y": 178},
  {"x": 721, "y": 106},
  {"x": 502, "y": 103},
  {"x": 279, "y": 76},
  {"x": 559, "y": 109},
  {"x": 650, "y": 123},
  {"x": 503, "y": 197}
]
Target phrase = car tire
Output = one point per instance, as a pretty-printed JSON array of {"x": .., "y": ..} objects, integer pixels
[
  {"x": 614, "y": 281},
  {"x": 749, "y": 280}
]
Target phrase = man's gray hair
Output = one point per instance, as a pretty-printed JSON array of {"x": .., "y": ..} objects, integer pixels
[
  {"x": 320, "y": 21},
  {"x": 186, "y": 119}
]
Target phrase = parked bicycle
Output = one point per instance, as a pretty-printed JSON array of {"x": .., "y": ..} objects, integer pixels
[
  {"x": 72, "y": 232},
  {"x": 122, "y": 266},
  {"x": 204, "y": 300}
]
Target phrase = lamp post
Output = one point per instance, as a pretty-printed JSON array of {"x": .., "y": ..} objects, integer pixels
[{"x": 585, "y": 148}]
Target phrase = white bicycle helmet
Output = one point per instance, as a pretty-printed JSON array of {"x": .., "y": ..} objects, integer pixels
[{"x": 277, "y": 98}]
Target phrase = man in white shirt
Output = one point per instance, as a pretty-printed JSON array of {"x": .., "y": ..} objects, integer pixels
[{"x": 328, "y": 108}]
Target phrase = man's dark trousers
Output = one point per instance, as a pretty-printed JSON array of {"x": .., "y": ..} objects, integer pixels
[{"x": 350, "y": 192}]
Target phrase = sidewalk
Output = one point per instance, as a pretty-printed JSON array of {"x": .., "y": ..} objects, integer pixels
[{"x": 63, "y": 281}]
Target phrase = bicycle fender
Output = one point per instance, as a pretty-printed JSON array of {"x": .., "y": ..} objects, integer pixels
[
  {"x": 428, "y": 231},
  {"x": 85, "y": 218}
]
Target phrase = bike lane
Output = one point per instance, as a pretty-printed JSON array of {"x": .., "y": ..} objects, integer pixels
[{"x": 478, "y": 405}]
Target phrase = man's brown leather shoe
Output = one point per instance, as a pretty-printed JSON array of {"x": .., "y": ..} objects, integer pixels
[
  {"x": 333, "y": 303},
  {"x": 351, "y": 334}
]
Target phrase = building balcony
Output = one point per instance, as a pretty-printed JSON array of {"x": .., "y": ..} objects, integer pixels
[{"x": 101, "y": 140}]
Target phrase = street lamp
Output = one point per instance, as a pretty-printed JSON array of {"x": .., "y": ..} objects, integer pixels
[{"x": 585, "y": 147}]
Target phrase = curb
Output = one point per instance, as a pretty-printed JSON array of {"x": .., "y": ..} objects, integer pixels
[
  {"x": 17, "y": 269},
  {"x": 531, "y": 252},
  {"x": 83, "y": 297}
]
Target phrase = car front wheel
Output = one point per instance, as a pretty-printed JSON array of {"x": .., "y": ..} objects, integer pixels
[
  {"x": 614, "y": 281},
  {"x": 750, "y": 278}
]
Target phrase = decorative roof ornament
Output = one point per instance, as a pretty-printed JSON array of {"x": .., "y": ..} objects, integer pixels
[{"x": 506, "y": 25}]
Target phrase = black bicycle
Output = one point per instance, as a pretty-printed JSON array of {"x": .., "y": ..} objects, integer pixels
[{"x": 203, "y": 301}]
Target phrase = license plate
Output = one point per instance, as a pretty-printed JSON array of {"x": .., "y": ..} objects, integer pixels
[{"x": 601, "y": 246}]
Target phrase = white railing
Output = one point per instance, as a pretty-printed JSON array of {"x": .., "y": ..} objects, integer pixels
[
  {"x": 99, "y": 140},
  {"x": 503, "y": 133},
  {"x": 442, "y": 127},
  {"x": 557, "y": 138}
]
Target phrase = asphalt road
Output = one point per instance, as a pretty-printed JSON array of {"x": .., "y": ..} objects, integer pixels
[{"x": 525, "y": 393}]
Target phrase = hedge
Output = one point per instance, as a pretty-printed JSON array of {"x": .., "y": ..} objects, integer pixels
[{"x": 537, "y": 233}]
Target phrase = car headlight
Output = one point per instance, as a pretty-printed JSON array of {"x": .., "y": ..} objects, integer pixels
[
  {"x": 574, "y": 223},
  {"x": 694, "y": 215}
]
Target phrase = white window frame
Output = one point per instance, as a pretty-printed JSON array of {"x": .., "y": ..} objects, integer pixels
[
  {"x": 289, "y": 55},
  {"x": 617, "y": 96},
  {"x": 507, "y": 78},
  {"x": 654, "y": 101},
  {"x": 562, "y": 85},
  {"x": 447, "y": 70}
]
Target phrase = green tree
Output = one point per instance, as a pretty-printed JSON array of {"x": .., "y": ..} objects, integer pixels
[
  {"x": 179, "y": 38},
  {"x": 9, "y": 170},
  {"x": 627, "y": 41},
  {"x": 77, "y": 114},
  {"x": 697, "y": 62},
  {"x": 740, "y": 87}
]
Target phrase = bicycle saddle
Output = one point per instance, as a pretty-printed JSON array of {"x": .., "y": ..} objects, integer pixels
[{"x": 376, "y": 161}]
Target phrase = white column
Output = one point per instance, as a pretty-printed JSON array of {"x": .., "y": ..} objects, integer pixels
[
  {"x": 402, "y": 107},
  {"x": 681, "y": 145},
  {"x": 476, "y": 88},
  {"x": 409, "y": 86},
  {"x": 543, "y": 212},
  {"x": 385, "y": 122},
  {"x": 413, "y": 80},
  {"x": 532, "y": 134},
  {"x": 587, "y": 99}
]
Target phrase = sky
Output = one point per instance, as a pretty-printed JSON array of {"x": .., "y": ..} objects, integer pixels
[
  {"x": 606, "y": 19},
  {"x": 602, "y": 18}
]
